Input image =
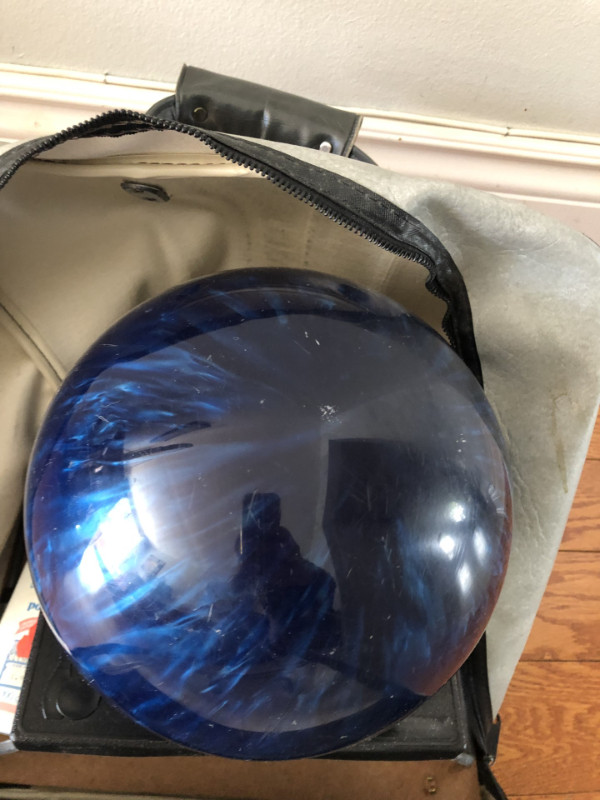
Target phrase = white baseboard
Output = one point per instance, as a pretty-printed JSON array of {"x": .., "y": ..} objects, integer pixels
[{"x": 556, "y": 172}]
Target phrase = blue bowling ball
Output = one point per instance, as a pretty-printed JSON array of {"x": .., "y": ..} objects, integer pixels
[{"x": 268, "y": 513}]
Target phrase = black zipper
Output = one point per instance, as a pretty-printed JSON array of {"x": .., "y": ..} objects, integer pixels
[
  {"x": 108, "y": 124},
  {"x": 109, "y": 121}
]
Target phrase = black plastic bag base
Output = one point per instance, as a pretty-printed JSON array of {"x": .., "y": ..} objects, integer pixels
[{"x": 59, "y": 712}]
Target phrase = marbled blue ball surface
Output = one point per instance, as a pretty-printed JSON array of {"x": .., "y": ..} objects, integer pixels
[{"x": 268, "y": 513}]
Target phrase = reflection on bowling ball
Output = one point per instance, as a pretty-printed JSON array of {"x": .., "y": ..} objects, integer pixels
[{"x": 268, "y": 513}]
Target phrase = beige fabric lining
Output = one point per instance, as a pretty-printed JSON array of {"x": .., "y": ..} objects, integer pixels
[
  {"x": 24, "y": 397},
  {"x": 79, "y": 252}
]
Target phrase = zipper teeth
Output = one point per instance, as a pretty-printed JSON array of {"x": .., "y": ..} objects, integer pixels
[
  {"x": 226, "y": 152},
  {"x": 230, "y": 154},
  {"x": 305, "y": 196}
]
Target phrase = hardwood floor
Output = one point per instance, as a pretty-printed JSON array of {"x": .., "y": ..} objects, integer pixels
[
  {"x": 182, "y": 776},
  {"x": 550, "y": 742}
]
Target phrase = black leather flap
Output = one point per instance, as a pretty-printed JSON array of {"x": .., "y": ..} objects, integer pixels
[{"x": 219, "y": 103}]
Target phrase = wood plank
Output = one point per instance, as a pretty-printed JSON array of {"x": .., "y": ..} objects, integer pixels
[
  {"x": 594, "y": 451},
  {"x": 567, "y": 626},
  {"x": 569, "y": 796},
  {"x": 550, "y": 720},
  {"x": 219, "y": 778},
  {"x": 583, "y": 527}
]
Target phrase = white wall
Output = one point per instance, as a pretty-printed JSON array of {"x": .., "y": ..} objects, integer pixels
[{"x": 522, "y": 63}]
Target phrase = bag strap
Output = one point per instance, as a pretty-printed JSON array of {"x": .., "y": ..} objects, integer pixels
[
  {"x": 485, "y": 730},
  {"x": 221, "y": 103}
]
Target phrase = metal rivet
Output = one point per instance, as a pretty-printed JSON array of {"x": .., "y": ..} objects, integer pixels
[
  {"x": 326, "y": 147},
  {"x": 146, "y": 191},
  {"x": 430, "y": 785},
  {"x": 199, "y": 115}
]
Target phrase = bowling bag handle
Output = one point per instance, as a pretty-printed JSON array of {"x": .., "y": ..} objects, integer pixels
[{"x": 217, "y": 102}]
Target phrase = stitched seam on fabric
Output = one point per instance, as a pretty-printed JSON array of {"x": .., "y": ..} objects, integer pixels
[
  {"x": 308, "y": 240},
  {"x": 131, "y": 163},
  {"x": 372, "y": 198},
  {"x": 221, "y": 165},
  {"x": 342, "y": 182},
  {"x": 26, "y": 334}
]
